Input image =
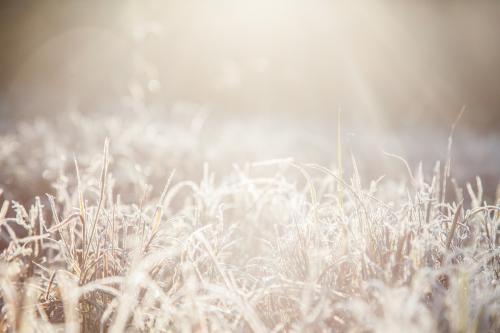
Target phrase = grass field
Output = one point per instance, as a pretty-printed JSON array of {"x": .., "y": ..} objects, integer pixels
[{"x": 117, "y": 223}]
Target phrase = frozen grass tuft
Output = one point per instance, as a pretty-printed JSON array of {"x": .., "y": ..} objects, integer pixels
[{"x": 268, "y": 246}]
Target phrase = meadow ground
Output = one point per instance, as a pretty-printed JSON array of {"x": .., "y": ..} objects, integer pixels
[{"x": 176, "y": 228}]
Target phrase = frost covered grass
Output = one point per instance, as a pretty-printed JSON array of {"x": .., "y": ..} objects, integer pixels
[{"x": 275, "y": 245}]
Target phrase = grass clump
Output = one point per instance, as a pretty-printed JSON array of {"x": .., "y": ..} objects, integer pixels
[{"x": 272, "y": 246}]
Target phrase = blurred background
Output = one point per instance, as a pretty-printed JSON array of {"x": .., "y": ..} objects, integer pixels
[{"x": 400, "y": 71}]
